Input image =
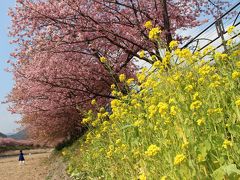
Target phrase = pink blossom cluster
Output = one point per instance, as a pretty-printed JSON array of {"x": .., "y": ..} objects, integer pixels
[{"x": 14, "y": 142}]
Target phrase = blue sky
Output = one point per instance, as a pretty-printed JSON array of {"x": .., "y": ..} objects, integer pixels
[{"x": 7, "y": 120}]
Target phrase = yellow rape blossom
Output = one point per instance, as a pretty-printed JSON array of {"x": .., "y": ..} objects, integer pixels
[
  {"x": 157, "y": 64},
  {"x": 154, "y": 33},
  {"x": 215, "y": 84},
  {"x": 103, "y": 59},
  {"x": 152, "y": 150},
  {"x": 93, "y": 102},
  {"x": 201, "y": 121},
  {"x": 214, "y": 111},
  {"x": 64, "y": 153},
  {"x": 208, "y": 50},
  {"x": 130, "y": 80},
  {"x": 235, "y": 75},
  {"x": 113, "y": 86},
  {"x": 188, "y": 88},
  {"x": 220, "y": 56},
  {"x": 148, "y": 24},
  {"x": 122, "y": 77},
  {"x": 173, "y": 44},
  {"x": 195, "y": 96},
  {"x": 179, "y": 158},
  {"x": 230, "y": 29},
  {"x": 185, "y": 145},
  {"x": 237, "y": 102},
  {"x": 142, "y": 177},
  {"x": 227, "y": 144},
  {"x": 230, "y": 42},
  {"x": 238, "y": 64},
  {"x": 201, "y": 80},
  {"x": 163, "y": 107},
  {"x": 195, "y": 105},
  {"x": 142, "y": 54},
  {"x": 200, "y": 158},
  {"x": 184, "y": 53},
  {"x": 204, "y": 70},
  {"x": 163, "y": 178},
  {"x": 85, "y": 120},
  {"x": 173, "y": 110},
  {"x": 138, "y": 123}
]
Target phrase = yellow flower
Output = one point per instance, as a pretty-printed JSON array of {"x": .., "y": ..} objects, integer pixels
[
  {"x": 122, "y": 77},
  {"x": 208, "y": 50},
  {"x": 141, "y": 77},
  {"x": 235, "y": 75},
  {"x": 227, "y": 144},
  {"x": 93, "y": 102},
  {"x": 200, "y": 80},
  {"x": 152, "y": 110},
  {"x": 142, "y": 177},
  {"x": 142, "y": 54},
  {"x": 184, "y": 53},
  {"x": 230, "y": 29},
  {"x": 215, "y": 84},
  {"x": 129, "y": 81},
  {"x": 138, "y": 123},
  {"x": 157, "y": 64},
  {"x": 103, "y": 59},
  {"x": 113, "y": 86},
  {"x": 64, "y": 153},
  {"x": 179, "y": 158},
  {"x": 148, "y": 24},
  {"x": 171, "y": 100},
  {"x": 152, "y": 150},
  {"x": 188, "y": 88},
  {"x": 173, "y": 110},
  {"x": 195, "y": 105},
  {"x": 214, "y": 110},
  {"x": 237, "y": 102},
  {"x": 200, "y": 158},
  {"x": 204, "y": 70},
  {"x": 173, "y": 44},
  {"x": 163, "y": 107},
  {"x": 109, "y": 154},
  {"x": 98, "y": 136},
  {"x": 201, "y": 121},
  {"x": 195, "y": 96},
  {"x": 238, "y": 64},
  {"x": 85, "y": 120},
  {"x": 163, "y": 178},
  {"x": 220, "y": 56},
  {"x": 230, "y": 42},
  {"x": 118, "y": 141},
  {"x": 185, "y": 145},
  {"x": 189, "y": 75},
  {"x": 154, "y": 33}
]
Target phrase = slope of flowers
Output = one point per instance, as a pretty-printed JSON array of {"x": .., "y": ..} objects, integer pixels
[{"x": 175, "y": 123}]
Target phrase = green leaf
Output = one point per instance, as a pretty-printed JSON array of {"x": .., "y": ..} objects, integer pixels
[{"x": 228, "y": 170}]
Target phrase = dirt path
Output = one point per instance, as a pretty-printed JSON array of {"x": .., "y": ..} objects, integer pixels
[{"x": 35, "y": 167}]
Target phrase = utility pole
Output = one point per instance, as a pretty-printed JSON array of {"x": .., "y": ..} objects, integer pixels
[{"x": 166, "y": 22}]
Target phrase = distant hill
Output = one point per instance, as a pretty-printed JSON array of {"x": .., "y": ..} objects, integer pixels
[
  {"x": 21, "y": 135},
  {"x": 3, "y": 135}
]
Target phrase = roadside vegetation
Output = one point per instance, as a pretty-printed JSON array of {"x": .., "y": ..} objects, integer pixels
[{"x": 180, "y": 119}]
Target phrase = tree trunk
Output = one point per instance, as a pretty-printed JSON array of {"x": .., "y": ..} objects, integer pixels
[{"x": 166, "y": 23}]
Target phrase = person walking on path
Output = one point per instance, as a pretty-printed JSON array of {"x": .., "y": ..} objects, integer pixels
[{"x": 21, "y": 158}]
